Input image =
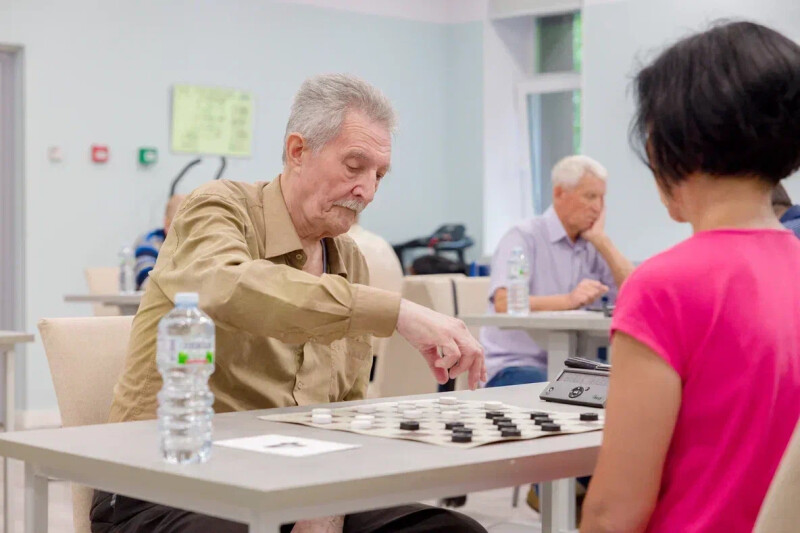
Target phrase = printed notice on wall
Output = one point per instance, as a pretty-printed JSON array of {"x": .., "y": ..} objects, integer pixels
[{"x": 210, "y": 120}]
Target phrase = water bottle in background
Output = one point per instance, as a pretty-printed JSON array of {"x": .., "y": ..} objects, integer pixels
[
  {"x": 127, "y": 270},
  {"x": 185, "y": 360},
  {"x": 518, "y": 283}
]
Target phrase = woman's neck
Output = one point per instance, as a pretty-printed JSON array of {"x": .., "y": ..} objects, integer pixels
[{"x": 709, "y": 203}]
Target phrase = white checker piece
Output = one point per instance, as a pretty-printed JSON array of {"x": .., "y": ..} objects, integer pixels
[{"x": 389, "y": 415}]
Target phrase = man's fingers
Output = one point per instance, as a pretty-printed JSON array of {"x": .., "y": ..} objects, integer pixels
[
  {"x": 468, "y": 351},
  {"x": 450, "y": 355},
  {"x": 432, "y": 357}
]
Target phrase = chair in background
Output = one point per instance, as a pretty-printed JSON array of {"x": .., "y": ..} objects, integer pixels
[
  {"x": 103, "y": 280},
  {"x": 402, "y": 370},
  {"x": 385, "y": 272},
  {"x": 83, "y": 351},
  {"x": 470, "y": 297},
  {"x": 780, "y": 512}
]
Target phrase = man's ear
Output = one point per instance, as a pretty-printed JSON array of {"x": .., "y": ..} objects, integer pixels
[
  {"x": 558, "y": 191},
  {"x": 295, "y": 144}
]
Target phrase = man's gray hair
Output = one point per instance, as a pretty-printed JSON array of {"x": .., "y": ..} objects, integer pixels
[
  {"x": 321, "y": 104},
  {"x": 569, "y": 171}
]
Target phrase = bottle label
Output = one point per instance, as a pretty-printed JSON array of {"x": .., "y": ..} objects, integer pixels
[{"x": 186, "y": 352}]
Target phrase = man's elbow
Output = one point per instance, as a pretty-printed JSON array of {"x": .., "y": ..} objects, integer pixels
[
  {"x": 614, "y": 517},
  {"x": 501, "y": 301}
]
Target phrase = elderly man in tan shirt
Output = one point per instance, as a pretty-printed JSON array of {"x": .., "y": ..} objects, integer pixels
[{"x": 287, "y": 290}]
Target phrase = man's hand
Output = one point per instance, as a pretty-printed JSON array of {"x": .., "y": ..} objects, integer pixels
[
  {"x": 598, "y": 229},
  {"x": 587, "y": 291},
  {"x": 429, "y": 332},
  {"x": 331, "y": 524}
]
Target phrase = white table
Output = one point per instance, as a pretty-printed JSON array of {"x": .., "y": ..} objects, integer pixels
[
  {"x": 268, "y": 490},
  {"x": 558, "y": 332},
  {"x": 8, "y": 342},
  {"x": 128, "y": 303}
]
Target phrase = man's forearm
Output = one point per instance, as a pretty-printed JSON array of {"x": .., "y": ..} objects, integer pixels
[
  {"x": 620, "y": 266},
  {"x": 556, "y": 302}
]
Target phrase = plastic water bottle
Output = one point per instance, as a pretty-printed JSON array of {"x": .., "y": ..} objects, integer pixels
[
  {"x": 518, "y": 283},
  {"x": 127, "y": 267},
  {"x": 185, "y": 360}
]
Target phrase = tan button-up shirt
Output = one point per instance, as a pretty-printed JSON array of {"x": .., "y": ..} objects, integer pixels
[{"x": 284, "y": 337}]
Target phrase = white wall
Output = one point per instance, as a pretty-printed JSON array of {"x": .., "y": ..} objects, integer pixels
[
  {"x": 101, "y": 72},
  {"x": 618, "y": 35}
]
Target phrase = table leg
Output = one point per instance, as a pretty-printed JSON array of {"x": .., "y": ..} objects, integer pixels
[
  {"x": 264, "y": 523},
  {"x": 35, "y": 501},
  {"x": 560, "y": 345},
  {"x": 558, "y": 506},
  {"x": 10, "y": 414}
]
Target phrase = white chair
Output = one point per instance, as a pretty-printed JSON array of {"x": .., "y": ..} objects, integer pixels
[
  {"x": 780, "y": 512},
  {"x": 86, "y": 356},
  {"x": 103, "y": 280}
]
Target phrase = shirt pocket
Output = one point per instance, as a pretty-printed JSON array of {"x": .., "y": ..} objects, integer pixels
[{"x": 352, "y": 358}]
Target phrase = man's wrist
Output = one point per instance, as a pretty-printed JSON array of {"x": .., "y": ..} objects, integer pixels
[
  {"x": 567, "y": 303},
  {"x": 599, "y": 241}
]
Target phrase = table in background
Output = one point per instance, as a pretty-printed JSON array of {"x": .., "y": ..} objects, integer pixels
[
  {"x": 128, "y": 303},
  {"x": 8, "y": 342},
  {"x": 558, "y": 332}
]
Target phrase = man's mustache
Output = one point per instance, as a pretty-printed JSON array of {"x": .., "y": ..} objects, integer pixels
[{"x": 352, "y": 204}]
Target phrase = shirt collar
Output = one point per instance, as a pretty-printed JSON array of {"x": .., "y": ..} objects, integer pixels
[
  {"x": 791, "y": 214},
  {"x": 281, "y": 235},
  {"x": 556, "y": 231}
]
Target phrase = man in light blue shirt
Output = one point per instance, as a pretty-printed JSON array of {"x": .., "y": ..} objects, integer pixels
[
  {"x": 148, "y": 245},
  {"x": 572, "y": 262}
]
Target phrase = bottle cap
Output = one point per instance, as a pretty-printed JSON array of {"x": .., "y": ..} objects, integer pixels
[{"x": 187, "y": 298}]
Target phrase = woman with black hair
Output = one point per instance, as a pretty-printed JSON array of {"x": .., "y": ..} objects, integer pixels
[{"x": 705, "y": 386}]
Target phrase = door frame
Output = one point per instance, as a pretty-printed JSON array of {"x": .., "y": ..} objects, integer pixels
[{"x": 12, "y": 197}]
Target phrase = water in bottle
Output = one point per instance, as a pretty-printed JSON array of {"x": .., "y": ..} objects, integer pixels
[
  {"x": 185, "y": 360},
  {"x": 518, "y": 283},
  {"x": 127, "y": 270}
]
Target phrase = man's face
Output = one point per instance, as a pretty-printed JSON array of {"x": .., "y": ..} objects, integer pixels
[
  {"x": 341, "y": 179},
  {"x": 581, "y": 205}
]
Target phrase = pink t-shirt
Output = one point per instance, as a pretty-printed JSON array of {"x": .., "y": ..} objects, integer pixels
[{"x": 723, "y": 309}]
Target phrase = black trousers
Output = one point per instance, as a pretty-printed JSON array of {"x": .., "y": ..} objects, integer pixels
[{"x": 129, "y": 515}]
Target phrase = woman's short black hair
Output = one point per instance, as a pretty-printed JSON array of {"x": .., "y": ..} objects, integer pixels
[{"x": 725, "y": 102}]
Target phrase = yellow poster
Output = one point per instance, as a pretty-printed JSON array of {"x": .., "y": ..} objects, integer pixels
[{"x": 210, "y": 120}]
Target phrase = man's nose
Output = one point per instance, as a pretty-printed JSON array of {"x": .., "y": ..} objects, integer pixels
[{"x": 366, "y": 188}]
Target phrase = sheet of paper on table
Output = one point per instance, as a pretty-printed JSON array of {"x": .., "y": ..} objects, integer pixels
[{"x": 285, "y": 445}]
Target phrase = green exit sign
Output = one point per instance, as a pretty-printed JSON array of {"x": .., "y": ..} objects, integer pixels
[{"x": 148, "y": 156}]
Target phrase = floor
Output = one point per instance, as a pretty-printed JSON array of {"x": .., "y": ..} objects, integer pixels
[{"x": 492, "y": 508}]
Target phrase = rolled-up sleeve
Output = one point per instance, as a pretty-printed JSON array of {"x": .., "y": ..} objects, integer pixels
[{"x": 209, "y": 244}]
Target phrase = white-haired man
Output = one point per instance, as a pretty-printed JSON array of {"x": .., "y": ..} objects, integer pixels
[
  {"x": 572, "y": 261},
  {"x": 288, "y": 292}
]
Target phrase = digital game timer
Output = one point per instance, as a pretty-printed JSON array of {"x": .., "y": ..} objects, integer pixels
[{"x": 583, "y": 382}]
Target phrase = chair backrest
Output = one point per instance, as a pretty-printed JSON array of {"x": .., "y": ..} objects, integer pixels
[
  {"x": 471, "y": 298},
  {"x": 103, "y": 280},
  {"x": 402, "y": 370},
  {"x": 86, "y": 356},
  {"x": 780, "y": 512},
  {"x": 385, "y": 270}
]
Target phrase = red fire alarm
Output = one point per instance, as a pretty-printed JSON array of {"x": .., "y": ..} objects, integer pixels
[{"x": 99, "y": 153}]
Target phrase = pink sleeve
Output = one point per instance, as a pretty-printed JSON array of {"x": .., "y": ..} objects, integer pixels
[{"x": 648, "y": 310}]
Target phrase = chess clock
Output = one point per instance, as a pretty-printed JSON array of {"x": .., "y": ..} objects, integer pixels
[{"x": 581, "y": 383}]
